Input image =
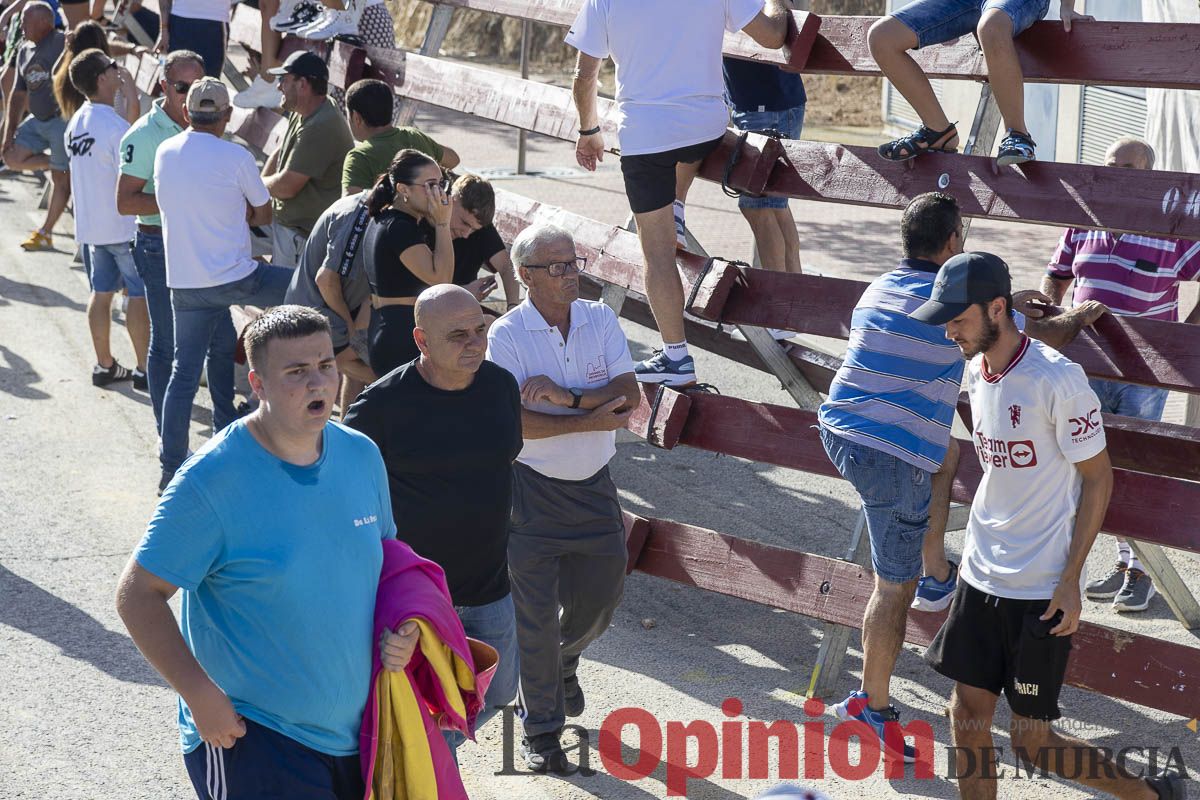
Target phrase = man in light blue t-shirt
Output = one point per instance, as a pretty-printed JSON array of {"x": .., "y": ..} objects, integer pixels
[{"x": 273, "y": 529}]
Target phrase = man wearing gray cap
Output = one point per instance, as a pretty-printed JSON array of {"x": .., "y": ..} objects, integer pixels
[
  {"x": 209, "y": 193},
  {"x": 1045, "y": 489}
]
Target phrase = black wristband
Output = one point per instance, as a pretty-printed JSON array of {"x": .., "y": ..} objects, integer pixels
[{"x": 590, "y": 131}]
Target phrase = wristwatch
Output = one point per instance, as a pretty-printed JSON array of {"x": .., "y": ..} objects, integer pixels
[{"x": 577, "y": 395}]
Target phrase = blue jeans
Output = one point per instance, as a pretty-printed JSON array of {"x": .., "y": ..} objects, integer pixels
[
  {"x": 787, "y": 123},
  {"x": 494, "y": 624},
  {"x": 895, "y": 498},
  {"x": 202, "y": 326},
  {"x": 205, "y": 37},
  {"x": 110, "y": 266},
  {"x": 1130, "y": 399},
  {"x": 937, "y": 21}
]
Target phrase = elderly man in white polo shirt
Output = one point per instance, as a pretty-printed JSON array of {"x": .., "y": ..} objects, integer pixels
[{"x": 566, "y": 546}]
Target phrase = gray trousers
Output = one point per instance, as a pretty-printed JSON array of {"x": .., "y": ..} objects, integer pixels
[{"x": 566, "y": 551}]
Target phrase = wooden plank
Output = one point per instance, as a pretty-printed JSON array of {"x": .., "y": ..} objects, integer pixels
[
  {"x": 637, "y": 529},
  {"x": 660, "y": 415},
  {"x": 245, "y": 28},
  {"x": 1041, "y": 192},
  {"x": 261, "y": 128},
  {"x": 1138, "y": 669}
]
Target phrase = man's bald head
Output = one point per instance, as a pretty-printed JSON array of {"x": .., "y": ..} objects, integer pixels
[
  {"x": 442, "y": 302},
  {"x": 1130, "y": 152},
  {"x": 451, "y": 333}
]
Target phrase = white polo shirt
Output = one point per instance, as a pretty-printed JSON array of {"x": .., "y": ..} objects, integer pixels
[
  {"x": 1033, "y": 423},
  {"x": 595, "y": 352}
]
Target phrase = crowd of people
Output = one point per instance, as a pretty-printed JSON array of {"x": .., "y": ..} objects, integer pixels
[{"x": 482, "y": 440}]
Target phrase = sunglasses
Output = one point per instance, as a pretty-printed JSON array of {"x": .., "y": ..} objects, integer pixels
[
  {"x": 560, "y": 268},
  {"x": 181, "y": 87}
]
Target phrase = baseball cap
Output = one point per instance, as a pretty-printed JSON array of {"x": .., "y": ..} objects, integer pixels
[
  {"x": 207, "y": 96},
  {"x": 965, "y": 279},
  {"x": 302, "y": 64}
]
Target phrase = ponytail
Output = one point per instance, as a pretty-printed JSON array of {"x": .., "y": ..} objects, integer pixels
[{"x": 404, "y": 167}]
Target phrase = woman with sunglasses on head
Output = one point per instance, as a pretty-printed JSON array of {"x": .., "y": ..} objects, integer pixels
[{"x": 408, "y": 247}]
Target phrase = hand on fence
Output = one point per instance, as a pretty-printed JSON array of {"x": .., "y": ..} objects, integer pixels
[
  {"x": 608, "y": 418},
  {"x": 589, "y": 151},
  {"x": 396, "y": 648},
  {"x": 1068, "y": 14},
  {"x": 540, "y": 388},
  {"x": 1034, "y": 304},
  {"x": 1091, "y": 310},
  {"x": 1065, "y": 599},
  {"x": 216, "y": 721}
]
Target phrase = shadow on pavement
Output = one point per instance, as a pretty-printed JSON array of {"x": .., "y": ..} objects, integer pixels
[
  {"x": 36, "y": 295},
  {"x": 18, "y": 377}
]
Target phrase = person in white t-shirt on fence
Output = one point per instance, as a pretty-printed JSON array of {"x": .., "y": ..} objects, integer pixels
[
  {"x": 93, "y": 144},
  {"x": 670, "y": 93},
  {"x": 201, "y": 26},
  {"x": 1046, "y": 484},
  {"x": 210, "y": 193}
]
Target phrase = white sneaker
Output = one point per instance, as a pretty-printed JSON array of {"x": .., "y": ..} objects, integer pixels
[
  {"x": 260, "y": 94},
  {"x": 300, "y": 14},
  {"x": 331, "y": 23}
]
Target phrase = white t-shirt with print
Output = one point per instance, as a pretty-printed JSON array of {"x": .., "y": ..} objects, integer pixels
[
  {"x": 202, "y": 184},
  {"x": 93, "y": 142},
  {"x": 594, "y": 353},
  {"x": 670, "y": 91},
  {"x": 1033, "y": 423}
]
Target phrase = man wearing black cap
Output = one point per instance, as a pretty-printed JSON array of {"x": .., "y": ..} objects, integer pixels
[
  {"x": 1045, "y": 489},
  {"x": 304, "y": 174}
]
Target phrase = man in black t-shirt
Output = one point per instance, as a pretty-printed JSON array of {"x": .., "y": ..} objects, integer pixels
[
  {"x": 449, "y": 426},
  {"x": 477, "y": 243}
]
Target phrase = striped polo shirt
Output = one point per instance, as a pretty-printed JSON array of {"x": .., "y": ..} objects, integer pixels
[
  {"x": 1136, "y": 276},
  {"x": 897, "y": 388}
]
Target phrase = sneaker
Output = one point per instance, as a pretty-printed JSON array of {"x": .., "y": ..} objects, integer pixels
[
  {"x": 1136, "y": 592},
  {"x": 163, "y": 482},
  {"x": 303, "y": 13},
  {"x": 543, "y": 753},
  {"x": 38, "y": 241},
  {"x": 331, "y": 23},
  {"x": 140, "y": 381},
  {"x": 660, "y": 369},
  {"x": 935, "y": 595},
  {"x": 1015, "y": 148},
  {"x": 855, "y": 707},
  {"x": 1169, "y": 786},
  {"x": 680, "y": 234},
  {"x": 286, "y": 10},
  {"x": 103, "y": 377},
  {"x": 1106, "y": 588},
  {"x": 573, "y": 700},
  {"x": 259, "y": 94}
]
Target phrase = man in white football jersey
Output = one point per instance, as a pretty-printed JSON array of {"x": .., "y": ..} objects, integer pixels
[{"x": 1045, "y": 489}]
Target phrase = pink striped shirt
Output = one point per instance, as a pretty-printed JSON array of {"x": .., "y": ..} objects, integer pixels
[{"x": 1137, "y": 276}]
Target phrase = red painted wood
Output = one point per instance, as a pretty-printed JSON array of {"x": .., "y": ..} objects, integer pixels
[
  {"x": 663, "y": 426},
  {"x": 1047, "y": 193},
  {"x": 637, "y": 529},
  {"x": 260, "y": 128},
  {"x": 1139, "y": 669}
]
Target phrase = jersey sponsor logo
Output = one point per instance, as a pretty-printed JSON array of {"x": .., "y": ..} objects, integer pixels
[
  {"x": 1085, "y": 427},
  {"x": 81, "y": 144},
  {"x": 367, "y": 520},
  {"x": 1014, "y": 415},
  {"x": 1028, "y": 689},
  {"x": 1018, "y": 454}
]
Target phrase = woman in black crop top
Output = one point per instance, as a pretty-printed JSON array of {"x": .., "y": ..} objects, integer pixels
[{"x": 406, "y": 249}]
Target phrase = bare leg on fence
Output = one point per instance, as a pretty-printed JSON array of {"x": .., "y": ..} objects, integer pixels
[
  {"x": 890, "y": 40},
  {"x": 933, "y": 549},
  {"x": 883, "y": 635},
  {"x": 656, "y": 231}
]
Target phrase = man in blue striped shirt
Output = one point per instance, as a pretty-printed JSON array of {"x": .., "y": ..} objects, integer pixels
[{"x": 886, "y": 427}]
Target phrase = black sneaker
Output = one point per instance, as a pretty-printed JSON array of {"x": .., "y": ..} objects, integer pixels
[
  {"x": 140, "y": 381},
  {"x": 103, "y": 377},
  {"x": 573, "y": 701},
  {"x": 1169, "y": 786},
  {"x": 543, "y": 753}
]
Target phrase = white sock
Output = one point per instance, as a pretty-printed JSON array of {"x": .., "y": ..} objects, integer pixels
[
  {"x": 1124, "y": 553},
  {"x": 678, "y": 207},
  {"x": 1135, "y": 564},
  {"x": 676, "y": 352}
]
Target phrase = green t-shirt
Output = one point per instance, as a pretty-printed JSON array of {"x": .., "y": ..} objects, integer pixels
[
  {"x": 314, "y": 146},
  {"x": 138, "y": 146},
  {"x": 370, "y": 159}
]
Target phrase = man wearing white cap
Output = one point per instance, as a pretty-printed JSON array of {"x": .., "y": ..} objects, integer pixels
[{"x": 210, "y": 193}]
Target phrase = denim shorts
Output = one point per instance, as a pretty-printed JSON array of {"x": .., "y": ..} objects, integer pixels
[
  {"x": 895, "y": 498},
  {"x": 937, "y": 21},
  {"x": 39, "y": 135},
  {"x": 788, "y": 123},
  {"x": 110, "y": 266},
  {"x": 1130, "y": 399}
]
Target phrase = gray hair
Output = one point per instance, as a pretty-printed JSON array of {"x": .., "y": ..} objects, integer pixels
[
  {"x": 205, "y": 119},
  {"x": 179, "y": 57},
  {"x": 42, "y": 6},
  {"x": 1147, "y": 151},
  {"x": 533, "y": 239}
]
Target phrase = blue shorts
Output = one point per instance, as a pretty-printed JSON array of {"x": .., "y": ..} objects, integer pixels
[
  {"x": 788, "y": 123},
  {"x": 110, "y": 266},
  {"x": 895, "y": 497},
  {"x": 1130, "y": 399},
  {"x": 937, "y": 21},
  {"x": 39, "y": 135},
  {"x": 265, "y": 763}
]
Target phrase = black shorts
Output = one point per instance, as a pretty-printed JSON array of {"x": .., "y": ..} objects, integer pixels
[
  {"x": 265, "y": 763},
  {"x": 998, "y": 644},
  {"x": 650, "y": 177}
]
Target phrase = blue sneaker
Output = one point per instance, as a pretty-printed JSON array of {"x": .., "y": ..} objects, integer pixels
[
  {"x": 855, "y": 707},
  {"x": 934, "y": 595},
  {"x": 660, "y": 369}
]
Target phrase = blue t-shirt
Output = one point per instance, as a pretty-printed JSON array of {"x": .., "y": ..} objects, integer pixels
[
  {"x": 750, "y": 86},
  {"x": 280, "y": 565}
]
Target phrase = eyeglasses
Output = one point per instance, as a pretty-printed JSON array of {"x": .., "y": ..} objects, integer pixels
[
  {"x": 560, "y": 268},
  {"x": 433, "y": 183},
  {"x": 180, "y": 87}
]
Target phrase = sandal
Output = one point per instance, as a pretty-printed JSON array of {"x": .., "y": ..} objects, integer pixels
[
  {"x": 1015, "y": 148},
  {"x": 921, "y": 140}
]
